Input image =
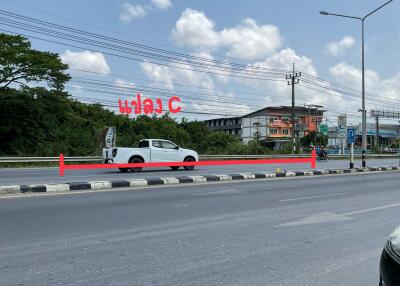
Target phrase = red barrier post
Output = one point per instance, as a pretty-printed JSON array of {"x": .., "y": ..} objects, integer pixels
[
  {"x": 61, "y": 164},
  {"x": 313, "y": 159}
]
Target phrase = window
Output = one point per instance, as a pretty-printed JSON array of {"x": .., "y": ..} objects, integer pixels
[
  {"x": 144, "y": 144},
  {"x": 272, "y": 119},
  {"x": 285, "y": 131},
  {"x": 168, "y": 145},
  {"x": 274, "y": 131},
  {"x": 156, "y": 144}
]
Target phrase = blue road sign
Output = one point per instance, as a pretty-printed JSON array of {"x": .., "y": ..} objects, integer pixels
[{"x": 351, "y": 134}]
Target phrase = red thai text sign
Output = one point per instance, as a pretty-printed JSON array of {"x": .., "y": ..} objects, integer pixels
[{"x": 148, "y": 106}]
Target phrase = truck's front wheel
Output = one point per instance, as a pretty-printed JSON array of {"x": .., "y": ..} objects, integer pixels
[
  {"x": 136, "y": 160},
  {"x": 189, "y": 159}
]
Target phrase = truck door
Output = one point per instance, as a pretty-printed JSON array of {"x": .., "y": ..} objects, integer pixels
[
  {"x": 172, "y": 153},
  {"x": 157, "y": 152}
]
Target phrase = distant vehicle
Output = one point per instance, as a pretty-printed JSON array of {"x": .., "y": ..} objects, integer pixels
[
  {"x": 150, "y": 150},
  {"x": 390, "y": 261},
  {"x": 321, "y": 154}
]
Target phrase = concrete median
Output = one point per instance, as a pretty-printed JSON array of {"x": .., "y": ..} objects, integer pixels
[{"x": 140, "y": 183}]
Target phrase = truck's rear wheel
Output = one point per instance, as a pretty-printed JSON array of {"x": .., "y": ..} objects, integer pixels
[
  {"x": 136, "y": 160},
  {"x": 189, "y": 159}
]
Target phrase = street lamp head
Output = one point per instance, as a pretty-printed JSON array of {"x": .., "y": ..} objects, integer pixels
[{"x": 323, "y": 13}]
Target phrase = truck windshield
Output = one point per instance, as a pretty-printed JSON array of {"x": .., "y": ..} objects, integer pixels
[{"x": 144, "y": 144}]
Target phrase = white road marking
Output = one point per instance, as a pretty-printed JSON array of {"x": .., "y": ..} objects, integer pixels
[
  {"x": 326, "y": 217},
  {"x": 323, "y": 217},
  {"x": 373, "y": 209},
  {"x": 223, "y": 192},
  {"x": 311, "y": 197}
]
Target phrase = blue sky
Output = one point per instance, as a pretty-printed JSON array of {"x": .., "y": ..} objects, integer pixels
[{"x": 284, "y": 31}]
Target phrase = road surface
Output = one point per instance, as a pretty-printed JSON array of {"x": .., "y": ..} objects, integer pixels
[
  {"x": 294, "y": 231},
  {"x": 27, "y": 176}
]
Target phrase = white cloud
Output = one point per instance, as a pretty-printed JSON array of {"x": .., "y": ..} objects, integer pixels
[
  {"x": 250, "y": 41},
  {"x": 162, "y": 4},
  {"x": 279, "y": 92},
  {"x": 194, "y": 29},
  {"x": 386, "y": 89},
  {"x": 338, "y": 48},
  {"x": 351, "y": 76},
  {"x": 130, "y": 12},
  {"x": 123, "y": 84},
  {"x": 160, "y": 75},
  {"x": 246, "y": 41},
  {"x": 86, "y": 60},
  {"x": 165, "y": 77},
  {"x": 283, "y": 60}
]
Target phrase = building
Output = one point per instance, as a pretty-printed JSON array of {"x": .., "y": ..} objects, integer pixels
[
  {"x": 229, "y": 125},
  {"x": 273, "y": 125},
  {"x": 387, "y": 135}
]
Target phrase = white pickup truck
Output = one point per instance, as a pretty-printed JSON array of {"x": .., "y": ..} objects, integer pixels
[{"x": 150, "y": 150}]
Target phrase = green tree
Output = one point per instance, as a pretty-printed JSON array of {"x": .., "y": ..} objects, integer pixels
[
  {"x": 314, "y": 138},
  {"x": 198, "y": 132},
  {"x": 21, "y": 65},
  {"x": 257, "y": 134}
]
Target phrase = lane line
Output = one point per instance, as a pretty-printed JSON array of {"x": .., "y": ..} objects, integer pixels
[
  {"x": 330, "y": 217},
  {"x": 222, "y": 192},
  {"x": 311, "y": 197},
  {"x": 372, "y": 209}
]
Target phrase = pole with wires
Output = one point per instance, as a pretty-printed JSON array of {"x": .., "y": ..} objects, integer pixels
[{"x": 293, "y": 79}]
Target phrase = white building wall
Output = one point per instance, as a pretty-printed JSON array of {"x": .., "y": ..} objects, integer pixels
[{"x": 248, "y": 127}]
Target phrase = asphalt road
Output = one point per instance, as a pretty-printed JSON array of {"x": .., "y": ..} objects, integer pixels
[
  {"x": 27, "y": 176},
  {"x": 298, "y": 231}
]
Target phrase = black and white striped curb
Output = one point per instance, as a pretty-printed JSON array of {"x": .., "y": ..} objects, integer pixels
[{"x": 138, "y": 183}]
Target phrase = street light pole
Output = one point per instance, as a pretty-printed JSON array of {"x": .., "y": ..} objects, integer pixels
[
  {"x": 399, "y": 143},
  {"x": 364, "y": 114}
]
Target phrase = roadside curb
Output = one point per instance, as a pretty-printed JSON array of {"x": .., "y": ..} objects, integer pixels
[{"x": 137, "y": 183}]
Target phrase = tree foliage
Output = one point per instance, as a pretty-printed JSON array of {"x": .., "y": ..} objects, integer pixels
[{"x": 22, "y": 65}]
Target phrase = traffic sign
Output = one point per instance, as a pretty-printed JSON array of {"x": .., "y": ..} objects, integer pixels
[
  {"x": 351, "y": 134},
  {"x": 323, "y": 128},
  {"x": 341, "y": 133}
]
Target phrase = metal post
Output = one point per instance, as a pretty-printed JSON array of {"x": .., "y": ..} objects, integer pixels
[
  {"x": 364, "y": 115},
  {"x": 377, "y": 133},
  {"x": 293, "y": 115},
  {"x": 351, "y": 155}
]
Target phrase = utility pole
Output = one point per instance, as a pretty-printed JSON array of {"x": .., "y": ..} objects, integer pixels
[
  {"x": 293, "y": 79},
  {"x": 377, "y": 132},
  {"x": 399, "y": 143}
]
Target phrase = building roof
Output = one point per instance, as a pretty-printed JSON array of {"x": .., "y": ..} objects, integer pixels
[
  {"x": 235, "y": 117},
  {"x": 284, "y": 109}
]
